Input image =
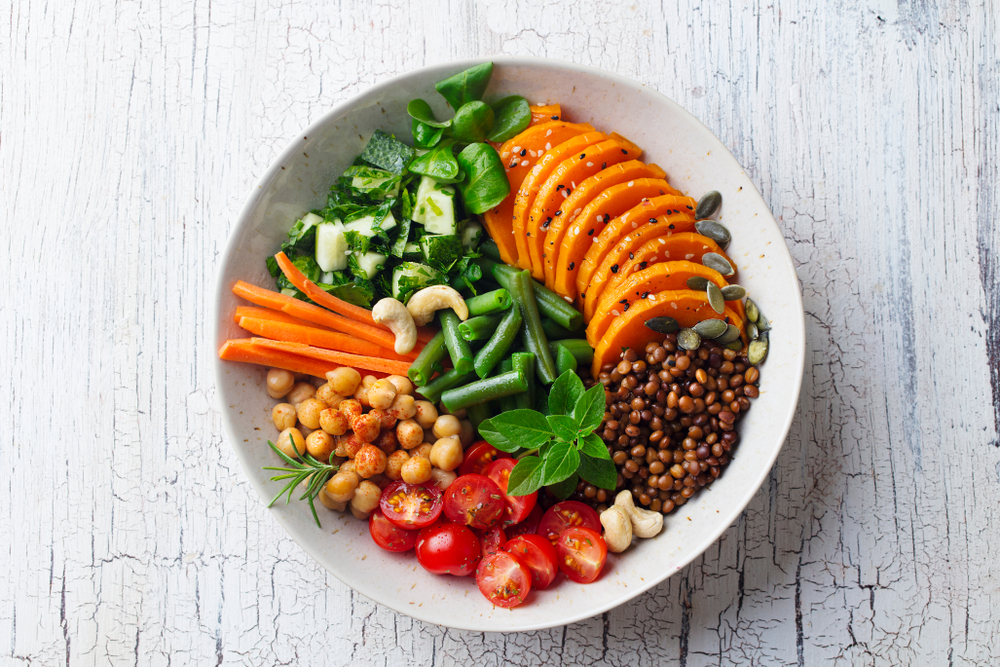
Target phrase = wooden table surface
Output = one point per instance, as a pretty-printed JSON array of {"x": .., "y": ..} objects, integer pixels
[{"x": 131, "y": 132}]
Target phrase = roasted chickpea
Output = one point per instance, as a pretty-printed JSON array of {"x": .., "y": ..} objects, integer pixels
[
  {"x": 417, "y": 470},
  {"x": 370, "y": 460},
  {"x": 291, "y": 443},
  {"x": 341, "y": 487},
  {"x": 381, "y": 480},
  {"x": 366, "y": 497},
  {"x": 348, "y": 446},
  {"x": 443, "y": 410},
  {"x": 401, "y": 383},
  {"x": 327, "y": 394},
  {"x": 409, "y": 434},
  {"x": 368, "y": 380},
  {"x": 381, "y": 394},
  {"x": 300, "y": 392},
  {"x": 351, "y": 409},
  {"x": 386, "y": 441},
  {"x": 361, "y": 395},
  {"x": 330, "y": 503},
  {"x": 443, "y": 478},
  {"x": 366, "y": 427},
  {"x": 394, "y": 464},
  {"x": 279, "y": 382},
  {"x": 319, "y": 444},
  {"x": 333, "y": 421},
  {"x": 283, "y": 415},
  {"x": 347, "y": 466},
  {"x": 344, "y": 380},
  {"x": 447, "y": 425},
  {"x": 403, "y": 407},
  {"x": 447, "y": 453},
  {"x": 426, "y": 414},
  {"x": 309, "y": 411},
  {"x": 423, "y": 450},
  {"x": 384, "y": 419},
  {"x": 468, "y": 433}
]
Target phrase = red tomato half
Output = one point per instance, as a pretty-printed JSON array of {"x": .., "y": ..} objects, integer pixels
[
  {"x": 388, "y": 535},
  {"x": 477, "y": 457},
  {"x": 518, "y": 507},
  {"x": 581, "y": 553},
  {"x": 527, "y": 527},
  {"x": 491, "y": 540},
  {"x": 474, "y": 501},
  {"x": 446, "y": 548},
  {"x": 535, "y": 553},
  {"x": 503, "y": 579},
  {"x": 568, "y": 514},
  {"x": 411, "y": 506}
]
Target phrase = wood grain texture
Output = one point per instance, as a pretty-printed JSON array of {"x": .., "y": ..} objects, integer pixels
[{"x": 130, "y": 134}]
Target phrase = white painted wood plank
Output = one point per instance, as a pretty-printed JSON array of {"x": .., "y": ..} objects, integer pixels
[{"x": 129, "y": 136}]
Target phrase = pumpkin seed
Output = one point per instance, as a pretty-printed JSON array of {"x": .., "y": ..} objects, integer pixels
[
  {"x": 757, "y": 351},
  {"x": 735, "y": 346},
  {"x": 708, "y": 205},
  {"x": 710, "y": 328},
  {"x": 733, "y": 292},
  {"x": 715, "y": 299},
  {"x": 698, "y": 283},
  {"x": 763, "y": 323},
  {"x": 752, "y": 311},
  {"x": 752, "y": 331},
  {"x": 663, "y": 325},
  {"x": 688, "y": 339},
  {"x": 732, "y": 334},
  {"x": 714, "y": 260},
  {"x": 715, "y": 231}
]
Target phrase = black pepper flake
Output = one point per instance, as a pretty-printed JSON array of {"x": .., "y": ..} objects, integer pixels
[
  {"x": 604, "y": 165},
  {"x": 572, "y": 265},
  {"x": 690, "y": 208},
  {"x": 645, "y": 294},
  {"x": 662, "y": 192},
  {"x": 555, "y": 117},
  {"x": 625, "y": 151},
  {"x": 631, "y": 255},
  {"x": 590, "y": 233},
  {"x": 512, "y": 164},
  {"x": 545, "y": 225},
  {"x": 583, "y": 155},
  {"x": 559, "y": 187},
  {"x": 549, "y": 219},
  {"x": 557, "y": 213},
  {"x": 524, "y": 151},
  {"x": 643, "y": 265},
  {"x": 614, "y": 269},
  {"x": 528, "y": 234},
  {"x": 623, "y": 301},
  {"x": 670, "y": 226},
  {"x": 652, "y": 219},
  {"x": 625, "y": 309}
]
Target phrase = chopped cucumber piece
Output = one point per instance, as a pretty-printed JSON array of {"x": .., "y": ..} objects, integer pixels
[
  {"x": 412, "y": 252},
  {"x": 435, "y": 207},
  {"x": 370, "y": 263},
  {"x": 331, "y": 246},
  {"x": 376, "y": 182},
  {"x": 367, "y": 226},
  {"x": 409, "y": 277},
  {"x": 472, "y": 234},
  {"x": 440, "y": 252}
]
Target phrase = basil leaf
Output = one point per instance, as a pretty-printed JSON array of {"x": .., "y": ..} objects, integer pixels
[
  {"x": 563, "y": 426},
  {"x": 419, "y": 110},
  {"x": 465, "y": 86},
  {"x": 526, "y": 477},
  {"x": 565, "y": 488},
  {"x": 513, "y": 115},
  {"x": 565, "y": 393},
  {"x": 561, "y": 461},
  {"x": 592, "y": 445},
  {"x": 517, "y": 428},
  {"x": 425, "y": 136},
  {"x": 472, "y": 122},
  {"x": 439, "y": 163},
  {"x": 589, "y": 411},
  {"x": 487, "y": 184},
  {"x": 599, "y": 472}
]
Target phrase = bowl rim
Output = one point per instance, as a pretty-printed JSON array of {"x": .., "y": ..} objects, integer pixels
[{"x": 446, "y": 68}]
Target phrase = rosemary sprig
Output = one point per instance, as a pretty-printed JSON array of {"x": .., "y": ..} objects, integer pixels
[{"x": 308, "y": 468}]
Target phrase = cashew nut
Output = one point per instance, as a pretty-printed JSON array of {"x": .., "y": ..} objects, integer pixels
[
  {"x": 394, "y": 315},
  {"x": 645, "y": 523},
  {"x": 617, "y": 529},
  {"x": 426, "y": 302}
]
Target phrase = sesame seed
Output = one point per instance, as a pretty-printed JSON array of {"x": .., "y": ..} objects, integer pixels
[
  {"x": 572, "y": 265},
  {"x": 652, "y": 219},
  {"x": 600, "y": 218},
  {"x": 615, "y": 312},
  {"x": 591, "y": 233},
  {"x": 524, "y": 163},
  {"x": 662, "y": 241},
  {"x": 595, "y": 239},
  {"x": 572, "y": 185},
  {"x": 689, "y": 256},
  {"x": 624, "y": 151},
  {"x": 565, "y": 193},
  {"x": 614, "y": 269},
  {"x": 547, "y": 133},
  {"x": 626, "y": 308},
  {"x": 516, "y": 148},
  {"x": 590, "y": 164},
  {"x": 560, "y": 187},
  {"x": 523, "y": 152},
  {"x": 670, "y": 226},
  {"x": 532, "y": 153},
  {"x": 631, "y": 256},
  {"x": 577, "y": 211},
  {"x": 635, "y": 225},
  {"x": 548, "y": 146},
  {"x": 631, "y": 183},
  {"x": 557, "y": 213},
  {"x": 674, "y": 306},
  {"x": 604, "y": 165},
  {"x": 583, "y": 155}
]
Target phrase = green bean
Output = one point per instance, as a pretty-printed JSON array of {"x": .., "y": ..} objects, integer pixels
[
  {"x": 422, "y": 367},
  {"x": 532, "y": 334},
  {"x": 580, "y": 349},
  {"x": 488, "y": 303},
  {"x": 550, "y": 304},
  {"x": 565, "y": 361},
  {"x": 479, "y": 328},
  {"x": 458, "y": 347},
  {"x": 507, "y": 403},
  {"x": 553, "y": 329},
  {"x": 432, "y": 392},
  {"x": 524, "y": 362},
  {"x": 490, "y": 249},
  {"x": 496, "y": 347},
  {"x": 480, "y": 391},
  {"x": 479, "y": 413}
]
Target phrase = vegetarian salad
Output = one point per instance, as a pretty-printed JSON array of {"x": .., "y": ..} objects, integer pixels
[{"x": 506, "y": 342}]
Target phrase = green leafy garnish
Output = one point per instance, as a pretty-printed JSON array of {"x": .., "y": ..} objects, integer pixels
[
  {"x": 309, "y": 472},
  {"x": 386, "y": 152},
  {"x": 561, "y": 447},
  {"x": 472, "y": 122},
  {"x": 487, "y": 184},
  {"x": 512, "y": 116},
  {"x": 467, "y": 86},
  {"x": 419, "y": 110}
]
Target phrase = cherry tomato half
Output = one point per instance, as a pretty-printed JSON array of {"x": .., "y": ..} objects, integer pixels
[
  {"x": 491, "y": 540},
  {"x": 388, "y": 535},
  {"x": 536, "y": 554},
  {"x": 447, "y": 548},
  {"x": 475, "y": 501},
  {"x": 503, "y": 579},
  {"x": 518, "y": 507},
  {"x": 567, "y": 514},
  {"x": 477, "y": 457},
  {"x": 527, "y": 527},
  {"x": 581, "y": 553},
  {"x": 411, "y": 506}
]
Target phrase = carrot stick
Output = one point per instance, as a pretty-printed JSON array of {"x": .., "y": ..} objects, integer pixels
[
  {"x": 330, "y": 340},
  {"x": 244, "y": 350},
  {"x": 321, "y": 297},
  {"x": 390, "y": 366},
  {"x": 310, "y": 313},
  {"x": 270, "y": 314}
]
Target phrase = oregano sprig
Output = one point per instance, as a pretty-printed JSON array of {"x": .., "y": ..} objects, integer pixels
[
  {"x": 309, "y": 470},
  {"x": 559, "y": 448}
]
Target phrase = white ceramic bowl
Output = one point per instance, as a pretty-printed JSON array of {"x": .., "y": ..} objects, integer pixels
[{"x": 695, "y": 161}]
